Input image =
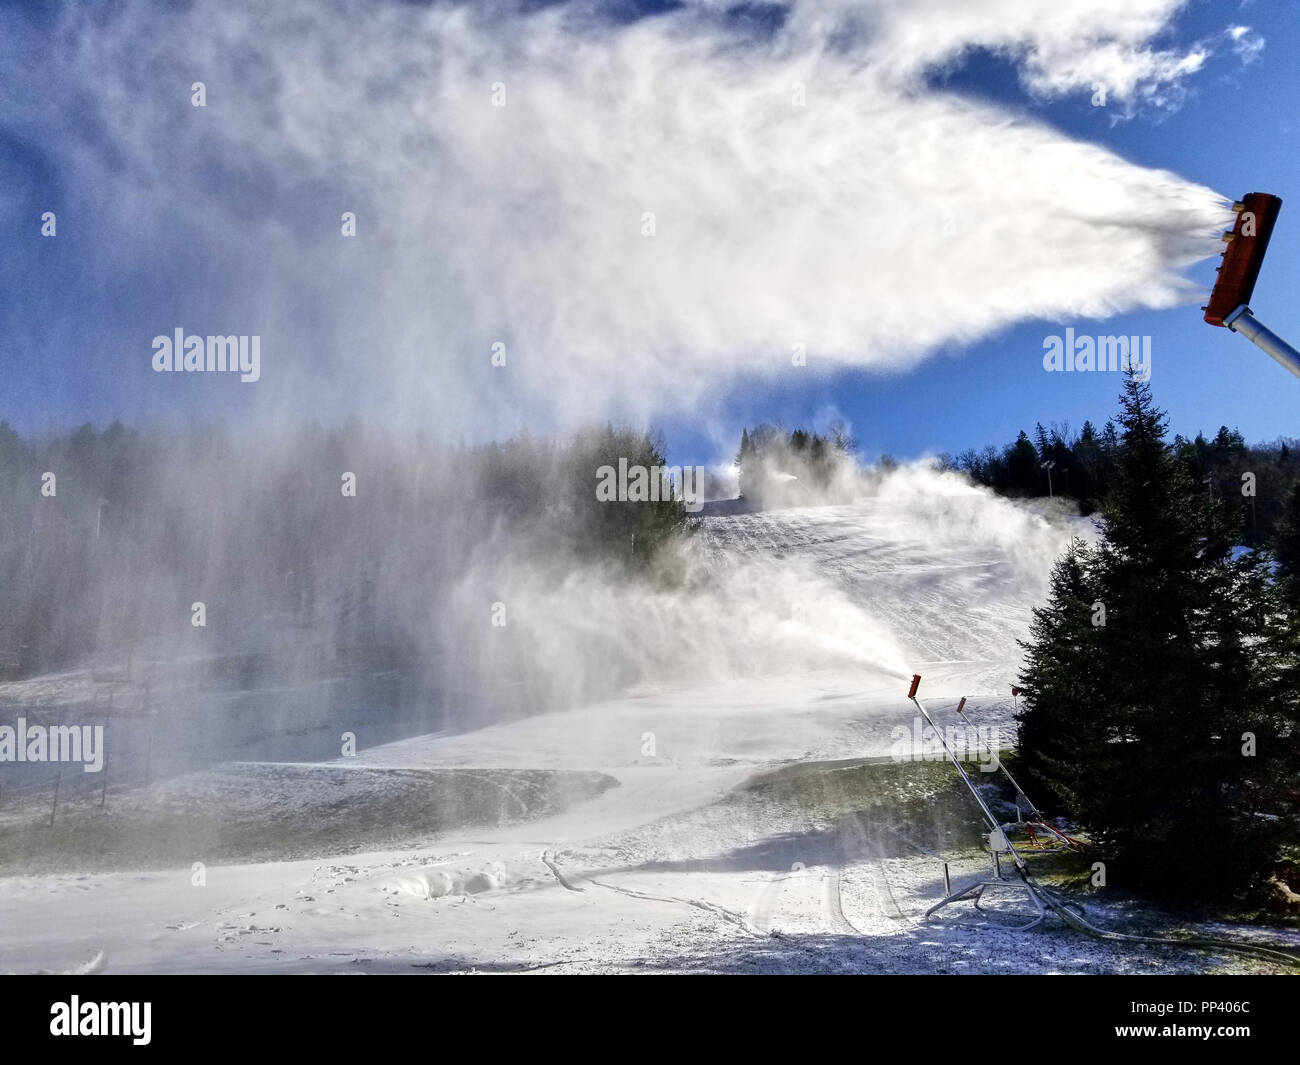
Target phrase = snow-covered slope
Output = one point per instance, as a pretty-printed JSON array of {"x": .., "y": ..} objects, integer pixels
[{"x": 686, "y": 864}]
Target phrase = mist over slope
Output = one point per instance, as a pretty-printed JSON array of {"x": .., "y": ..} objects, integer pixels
[
  {"x": 470, "y": 586},
  {"x": 923, "y": 571}
]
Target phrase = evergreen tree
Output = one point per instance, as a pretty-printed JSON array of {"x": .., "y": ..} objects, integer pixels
[
  {"x": 1055, "y": 681},
  {"x": 1088, "y": 478},
  {"x": 1022, "y": 466},
  {"x": 1286, "y": 549},
  {"x": 1041, "y": 439},
  {"x": 1137, "y": 717}
]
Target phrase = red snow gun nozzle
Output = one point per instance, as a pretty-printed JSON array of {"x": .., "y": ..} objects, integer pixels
[
  {"x": 961, "y": 705},
  {"x": 916, "y": 683},
  {"x": 1247, "y": 241}
]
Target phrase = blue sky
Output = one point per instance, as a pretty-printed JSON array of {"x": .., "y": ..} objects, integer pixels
[{"x": 1236, "y": 131}]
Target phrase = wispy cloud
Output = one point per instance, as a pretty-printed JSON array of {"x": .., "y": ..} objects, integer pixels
[
  {"x": 1246, "y": 43},
  {"x": 1089, "y": 46}
]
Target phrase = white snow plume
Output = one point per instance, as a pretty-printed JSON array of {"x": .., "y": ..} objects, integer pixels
[
  {"x": 946, "y": 511},
  {"x": 805, "y": 184},
  {"x": 708, "y": 616},
  {"x": 922, "y": 566}
]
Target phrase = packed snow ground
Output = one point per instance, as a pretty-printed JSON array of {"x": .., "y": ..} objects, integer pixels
[{"x": 727, "y": 842}]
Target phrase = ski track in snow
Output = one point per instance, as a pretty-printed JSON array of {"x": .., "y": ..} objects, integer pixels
[{"x": 685, "y": 883}]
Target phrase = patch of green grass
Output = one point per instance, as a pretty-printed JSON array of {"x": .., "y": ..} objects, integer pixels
[
  {"x": 259, "y": 813},
  {"x": 900, "y": 807}
]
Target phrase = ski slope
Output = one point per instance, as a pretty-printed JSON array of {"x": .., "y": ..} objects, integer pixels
[
  {"x": 954, "y": 597},
  {"x": 684, "y": 863}
]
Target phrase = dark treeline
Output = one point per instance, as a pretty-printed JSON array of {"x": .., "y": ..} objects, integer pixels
[
  {"x": 1084, "y": 470},
  {"x": 107, "y": 538}
]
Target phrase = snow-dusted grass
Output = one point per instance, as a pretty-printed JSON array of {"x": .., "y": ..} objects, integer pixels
[{"x": 250, "y": 812}]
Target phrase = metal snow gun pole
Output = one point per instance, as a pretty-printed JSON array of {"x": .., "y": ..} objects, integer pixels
[
  {"x": 1039, "y": 820},
  {"x": 997, "y": 839},
  {"x": 1242, "y": 258}
]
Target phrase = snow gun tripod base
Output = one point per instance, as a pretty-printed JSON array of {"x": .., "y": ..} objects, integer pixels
[
  {"x": 998, "y": 882},
  {"x": 1040, "y": 897},
  {"x": 976, "y": 891}
]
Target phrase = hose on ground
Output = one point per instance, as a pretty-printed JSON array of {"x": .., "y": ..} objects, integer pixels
[{"x": 1077, "y": 922}]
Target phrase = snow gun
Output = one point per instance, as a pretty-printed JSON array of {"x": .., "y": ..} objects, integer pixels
[{"x": 1242, "y": 258}]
